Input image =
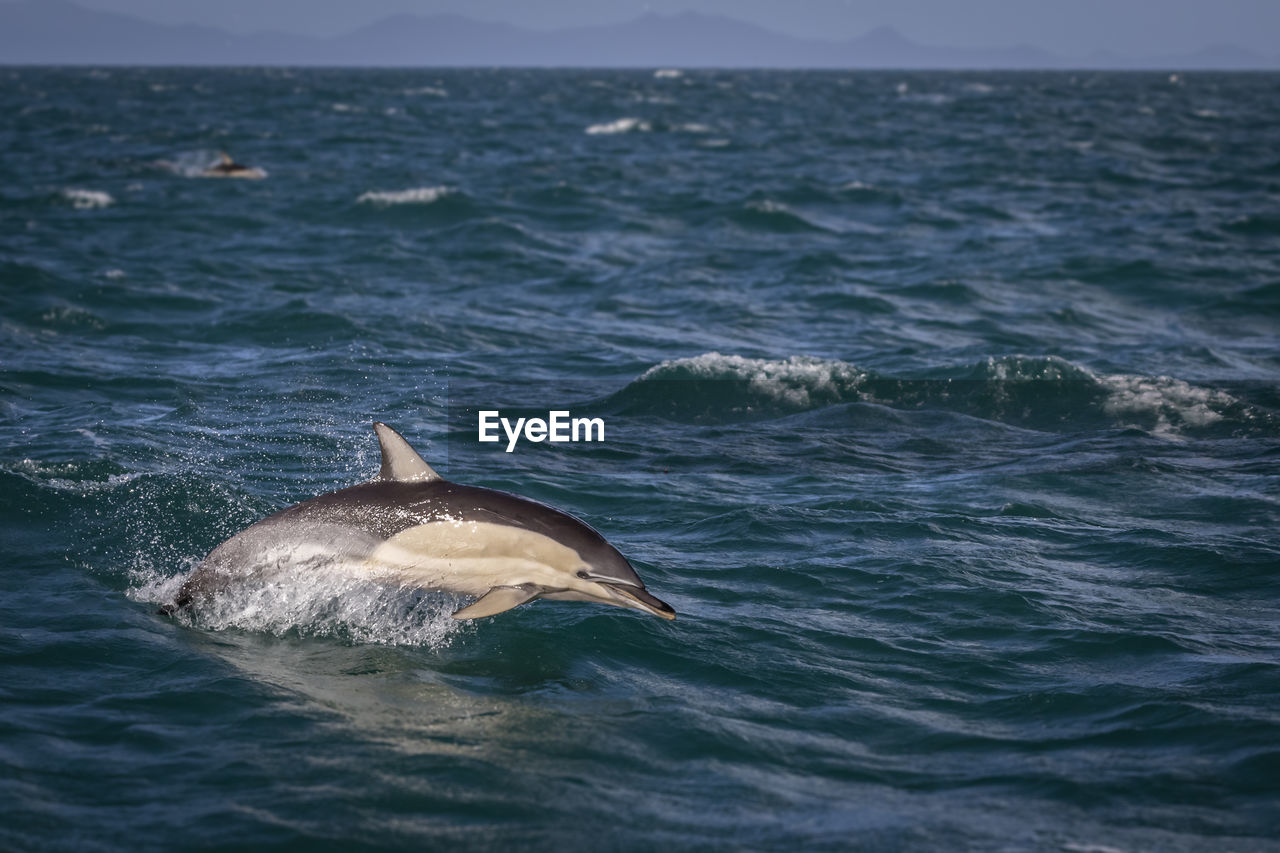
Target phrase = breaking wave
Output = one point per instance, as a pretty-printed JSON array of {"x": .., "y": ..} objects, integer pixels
[
  {"x": 1039, "y": 392},
  {"x": 418, "y": 195},
  {"x": 87, "y": 199},
  {"x": 622, "y": 125}
]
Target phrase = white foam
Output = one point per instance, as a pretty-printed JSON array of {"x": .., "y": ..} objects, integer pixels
[
  {"x": 792, "y": 381},
  {"x": 1162, "y": 404},
  {"x": 418, "y": 195},
  {"x": 668, "y": 73},
  {"x": 933, "y": 99},
  {"x": 622, "y": 125},
  {"x": 312, "y": 599},
  {"x": 1172, "y": 402},
  {"x": 693, "y": 127},
  {"x": 87, "y": 199},
  {"x": 769, "y": 206},
  {"x": 47, "y": 475},
  {"x": 433, "y": 91}
]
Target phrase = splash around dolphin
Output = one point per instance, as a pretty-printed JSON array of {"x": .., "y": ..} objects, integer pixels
[{"x": 410, "y": 525}]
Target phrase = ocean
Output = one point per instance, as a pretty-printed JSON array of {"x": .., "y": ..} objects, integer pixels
[{"x": 944, "y": 408}]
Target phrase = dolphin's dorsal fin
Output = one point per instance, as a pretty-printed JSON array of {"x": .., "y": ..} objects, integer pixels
[{"x": 400, "y": 462}]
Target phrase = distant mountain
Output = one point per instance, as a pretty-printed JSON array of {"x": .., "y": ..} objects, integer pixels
[{"x": 58, "y": 32}]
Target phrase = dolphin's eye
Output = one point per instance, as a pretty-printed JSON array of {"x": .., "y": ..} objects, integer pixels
[{"x": 582, "y": 573}]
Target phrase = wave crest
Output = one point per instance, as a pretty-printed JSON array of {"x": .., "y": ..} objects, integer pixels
[
  {"x": 622, "y": 125},
  {"x": 1036, "y": 392},
  {"x": 417, "y": 195},
  {"x": 82, "y": 199}
]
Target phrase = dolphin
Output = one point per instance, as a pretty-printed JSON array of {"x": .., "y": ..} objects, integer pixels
[
  {"x": 411, "y": 525},
  {"x": 228, "y": 168}
]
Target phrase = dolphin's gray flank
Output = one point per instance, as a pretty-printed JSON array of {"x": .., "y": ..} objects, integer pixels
[{"x": 413, "y": 524}]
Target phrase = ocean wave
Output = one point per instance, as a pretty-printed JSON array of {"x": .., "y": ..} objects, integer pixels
[
  {"x": 1032, "y": 391},
  {"x": 668, "y": 73},
  {"x": 935, "y": 99},
  {"x": 715, "y": 387},
  {"x": 622, "y": 125},
  {"x": 769, "y": 215},
  {"x": 82, "y": 199},
  {"x": 417, "y": 195}
]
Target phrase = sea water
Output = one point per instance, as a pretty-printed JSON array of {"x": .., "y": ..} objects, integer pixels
[{"x": 943, "y": 409}]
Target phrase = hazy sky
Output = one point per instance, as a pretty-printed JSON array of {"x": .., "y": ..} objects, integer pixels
[{"x": 1070, "y": 27}]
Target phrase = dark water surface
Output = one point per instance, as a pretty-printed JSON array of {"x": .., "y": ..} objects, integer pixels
[{"x": 942, "y": 407}]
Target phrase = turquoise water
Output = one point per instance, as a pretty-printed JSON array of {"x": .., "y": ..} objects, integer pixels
[{"x": 943, "y": 408}]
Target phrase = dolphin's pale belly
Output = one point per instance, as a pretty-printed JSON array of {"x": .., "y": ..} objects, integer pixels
[{"x": 471, "y": 557}]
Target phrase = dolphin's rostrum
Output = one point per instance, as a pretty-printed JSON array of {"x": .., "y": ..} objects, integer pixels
[{"x": 412, "y": 525}]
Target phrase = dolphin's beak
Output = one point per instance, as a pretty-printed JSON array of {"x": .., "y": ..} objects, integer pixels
[{"x": 639, "y": 598}]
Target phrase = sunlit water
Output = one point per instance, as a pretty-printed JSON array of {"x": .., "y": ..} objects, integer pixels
[{"x": 942, "y": 408}]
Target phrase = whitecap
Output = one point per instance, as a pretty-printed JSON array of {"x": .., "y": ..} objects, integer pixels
[
  {"x": 418, "y": 195},
  {"x": 433, "y": 91},
  {"x": 793, "y": 381},
  {"x": 668, "y": 73},
  {"x": 933, "y": 99},
  {"x": 1160, "y": 404},
  {"x": 87, "y": 199},
  {"x": 1173, "y": 403},
  {"x": 622, "y": 125}
]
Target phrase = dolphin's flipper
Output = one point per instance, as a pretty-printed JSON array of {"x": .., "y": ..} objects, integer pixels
[
  {"x": 498, "y": 600},
  {"x": 400, "y": 462}
]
